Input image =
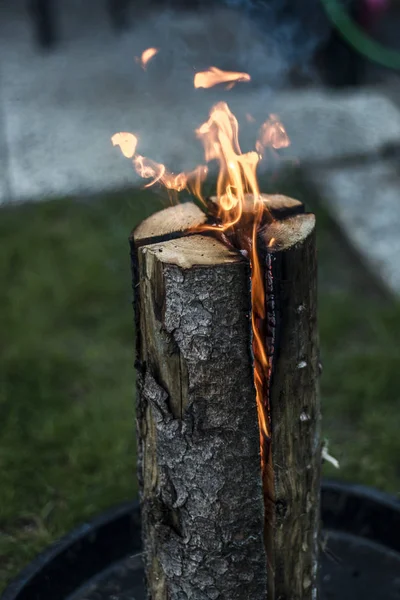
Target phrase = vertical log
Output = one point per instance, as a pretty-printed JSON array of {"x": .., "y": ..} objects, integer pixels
[
  {"x": 199, "y": 456},
  {"x": 206, "y": 518}
]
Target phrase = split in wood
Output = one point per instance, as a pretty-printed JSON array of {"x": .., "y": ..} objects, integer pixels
[{"x": 203, "y": 502}]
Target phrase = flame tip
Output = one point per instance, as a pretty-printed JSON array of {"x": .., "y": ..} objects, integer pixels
[
  {"x": 213, "y": 76},
  {"x": 146, "y": 56}
]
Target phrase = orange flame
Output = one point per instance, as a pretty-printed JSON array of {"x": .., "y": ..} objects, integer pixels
[
  {"x": 126, "y": 141},
  {"x": 272, "y": 134},
  {"x": 261, "y": 363},
  {"x": 207, "y": 79},
  {"x": 237, "y": 171},
  {"x": 149, "y": 169},
  {"x": 157, "y": 172},
  {"x": 146, "y": 55}
]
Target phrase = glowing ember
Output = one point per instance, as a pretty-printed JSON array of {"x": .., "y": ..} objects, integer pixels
[
  {"x": 146, "y": 55},
  {"x": 207, "y": 79}
]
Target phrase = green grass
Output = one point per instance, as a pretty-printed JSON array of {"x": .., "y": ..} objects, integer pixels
[
  {"x": 67, "y": 449},
  {"x": 66, "y": 368}
]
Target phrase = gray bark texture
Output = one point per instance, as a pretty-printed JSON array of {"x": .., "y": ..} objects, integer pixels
[
  {"x": 199, "y": 456},
  {"x": 291, "y": 290}
]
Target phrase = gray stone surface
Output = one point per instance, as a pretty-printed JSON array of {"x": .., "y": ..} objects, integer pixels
[
  {"x": 365, "y": 200},
  {"x": 326, "y": 125},
  {"x": 4, "y": 171},
  {"x": 59, "y": 110}
]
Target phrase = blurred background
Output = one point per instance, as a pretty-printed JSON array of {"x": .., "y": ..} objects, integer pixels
[{"x": 68, "y": 200}]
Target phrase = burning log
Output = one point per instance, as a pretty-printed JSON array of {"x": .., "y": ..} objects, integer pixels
[{"x": 218, "y": 522}]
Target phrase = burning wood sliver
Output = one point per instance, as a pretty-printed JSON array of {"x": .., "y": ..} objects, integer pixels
[
  {"x": 214, "y": 76},
  {"x": 146, "y": 56},
  {"x": 126, "y": 141}
]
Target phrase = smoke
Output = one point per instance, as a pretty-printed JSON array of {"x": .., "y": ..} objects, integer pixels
[
  {"x": 267, "y": 40},
  {"x": 285, "y": 33}
]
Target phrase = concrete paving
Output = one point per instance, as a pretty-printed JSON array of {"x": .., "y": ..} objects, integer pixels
[
  {"x": 58, "y": 111},
  {"x": 365, "y": 200}
]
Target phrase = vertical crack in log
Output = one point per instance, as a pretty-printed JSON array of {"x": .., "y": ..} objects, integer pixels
[
  {"x": 245, "y": 237},
  {"x": 267, "y": 334},
  {"x": 294, "y": 404}
]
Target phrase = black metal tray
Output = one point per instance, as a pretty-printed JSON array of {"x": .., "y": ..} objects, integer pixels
[{"x": 100, "y": 560}]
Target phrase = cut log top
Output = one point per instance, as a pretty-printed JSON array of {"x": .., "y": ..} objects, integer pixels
[
  {"x": 175, "y": 221},
  {"x": 165, "y": 232},
  {"x": 169, "y": 223},
  {"x": 278, "y": 205},
  {"x": 194, "y": 250},
  {"x": 285, "y": 204},
  {"x": 281, "y": 235}
]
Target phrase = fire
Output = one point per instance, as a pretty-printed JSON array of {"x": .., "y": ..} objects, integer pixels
[
  {"x": 213, "y": 76},
  {"x": 272, "y": 134},
  {"x": 239, "y": 204},
  {"x": 237, "y": 171},
  {"x": 146, "y": 56},
  {"x": 126, "y": 141},
  {"x": 157, "y": 172}
]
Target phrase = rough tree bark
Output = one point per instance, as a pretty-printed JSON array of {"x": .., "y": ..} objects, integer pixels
[{"x": 203, "y": 506}]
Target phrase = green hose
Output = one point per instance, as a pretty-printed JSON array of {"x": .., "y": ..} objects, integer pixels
[{"x": 357, "y": 38}]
